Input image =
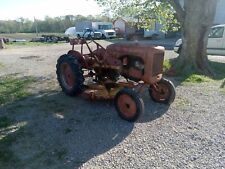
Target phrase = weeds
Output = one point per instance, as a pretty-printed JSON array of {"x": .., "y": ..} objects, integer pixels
[
  {"x": 12, "y": 88},
  {"x": 166, "y": 65}
]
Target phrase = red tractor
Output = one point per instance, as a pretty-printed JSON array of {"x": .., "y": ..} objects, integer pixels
[{"x": 120, "y": 71}]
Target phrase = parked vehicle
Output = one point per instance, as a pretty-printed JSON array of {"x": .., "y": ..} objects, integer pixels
[
  {"x": 151, "y": 34},
  {"x": 119, "y": 71},
  {"x": 106, "y": 28},
  {"x": 216, "y": 41},
  {"x": 86, "y": 26}
]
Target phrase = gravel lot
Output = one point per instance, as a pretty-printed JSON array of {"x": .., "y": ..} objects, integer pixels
[{"x": 60, "y": 132}]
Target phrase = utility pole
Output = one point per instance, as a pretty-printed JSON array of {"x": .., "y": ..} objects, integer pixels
[{"x": 36, "y": 26}]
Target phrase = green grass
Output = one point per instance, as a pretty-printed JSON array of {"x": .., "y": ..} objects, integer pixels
[
  {"x": 4, "y": 122},
  {"x": 12, "y": 89},
  {"x": 6, "y": 154},
  {"x": 166, "y": 65},
  {"x": 196, "y": 78},
  {"x": 188, "y": 75},
  {"x": 23, "y": 44},
  {"x": 2, "y": 65}
]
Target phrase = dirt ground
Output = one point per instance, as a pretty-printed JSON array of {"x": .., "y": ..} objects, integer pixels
[{"x": 54, "y": 131}]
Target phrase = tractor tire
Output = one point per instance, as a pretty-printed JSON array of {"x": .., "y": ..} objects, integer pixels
[
  {"x": 129, "y": 105},
  {"x": 163, "y": 91},
  {"x": 70, "y": 75}
]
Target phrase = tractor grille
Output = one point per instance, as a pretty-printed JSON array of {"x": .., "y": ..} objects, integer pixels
[{"x": 157, "y": 64}]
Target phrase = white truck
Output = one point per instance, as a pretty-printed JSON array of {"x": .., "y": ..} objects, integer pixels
[{"x": 106, "y": 28}]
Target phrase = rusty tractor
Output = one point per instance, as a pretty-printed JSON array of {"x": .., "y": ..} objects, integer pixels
[{"x": 121, "y": 71}]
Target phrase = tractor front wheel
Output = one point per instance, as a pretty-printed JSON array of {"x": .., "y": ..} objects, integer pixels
[
  {"x": 128, "y": 105},
  {"x": 163, "y": 91},
  {"x": 70, "y": 75}
]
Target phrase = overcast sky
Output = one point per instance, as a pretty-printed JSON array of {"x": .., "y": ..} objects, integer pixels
[{"x": 13, "y": 9}]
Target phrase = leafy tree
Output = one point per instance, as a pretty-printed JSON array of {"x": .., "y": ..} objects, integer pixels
[{"x": 195, "y": 17}]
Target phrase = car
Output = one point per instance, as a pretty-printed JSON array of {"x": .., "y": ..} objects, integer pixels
[{"x": 216, "y": 41}]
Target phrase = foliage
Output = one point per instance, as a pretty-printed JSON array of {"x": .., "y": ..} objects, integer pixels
[
  {"x": 56, "y": 24},
  {"x": 144, "y": 12},
  {"x": 12, "y": 88}
]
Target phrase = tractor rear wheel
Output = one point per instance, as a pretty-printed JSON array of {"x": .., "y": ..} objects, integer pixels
[
  {"x": 70, "y": 75},
  {"x": 129, "y": 105},
  {"x": 163, "y": 91}
]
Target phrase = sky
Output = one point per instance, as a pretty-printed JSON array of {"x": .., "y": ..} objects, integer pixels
[{"x": 14, "y": 9}]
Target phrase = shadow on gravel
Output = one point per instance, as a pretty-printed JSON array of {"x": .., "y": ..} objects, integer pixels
[
  {"x": 153, "y": 110},
  {"x": 60, "y": 131}
]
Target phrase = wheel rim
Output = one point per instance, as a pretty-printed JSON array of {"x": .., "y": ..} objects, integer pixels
[
  {"x": 160, "y": 92},
  {"x": 67, "y": 75},
  {"x": 127, "y": 106}
]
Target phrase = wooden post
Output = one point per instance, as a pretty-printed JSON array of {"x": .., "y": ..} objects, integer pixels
[{"x": 2, "y": 44}]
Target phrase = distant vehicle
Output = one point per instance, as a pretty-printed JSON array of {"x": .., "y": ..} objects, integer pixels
[
  {"x": 106, "y": 28},
  {"x": 151, "y": 34},
  {"x": 18, "y": 40},
  {"x": 85, "y": 29},
  {"x": 71, "y": 32},
  {"x": 136, "y": 35},
  {"x": 216, "y": 41}
]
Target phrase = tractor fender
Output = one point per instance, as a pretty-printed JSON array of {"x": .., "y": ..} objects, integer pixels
[{"x": 78, "y": 56}]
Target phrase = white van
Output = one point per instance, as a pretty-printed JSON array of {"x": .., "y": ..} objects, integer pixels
[{"x": 216, "y": 41}]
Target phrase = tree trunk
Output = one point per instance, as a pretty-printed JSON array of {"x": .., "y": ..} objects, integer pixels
[{"x": 196, "y": 22}]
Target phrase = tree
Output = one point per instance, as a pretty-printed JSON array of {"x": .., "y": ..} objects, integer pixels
[{"x": 195, "y": 16}]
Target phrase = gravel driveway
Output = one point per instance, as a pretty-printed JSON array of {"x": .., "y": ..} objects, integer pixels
[{"x": 60, "y": 132}]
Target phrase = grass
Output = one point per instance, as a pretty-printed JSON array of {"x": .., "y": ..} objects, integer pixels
[
  {"x": 222, "y": 86},
  {"x": 166, "y": 65},
  {"x": 4, "y": 122},
  {"x": 12, "y": 89},
  {"x": 22, "y": 44},
  {"x": 197, "y": 78},
  {"x": 6, "y": 154},
  {"x": 191, "y": 76},
  {"x": 2, "y": 65},
  {"x": 5, "y": 142}
]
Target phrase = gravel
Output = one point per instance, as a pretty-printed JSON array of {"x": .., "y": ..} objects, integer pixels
[{"x": 64, "y": 132}]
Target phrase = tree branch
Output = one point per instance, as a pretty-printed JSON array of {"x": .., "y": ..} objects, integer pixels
[{"x": 179, "y": 9}]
